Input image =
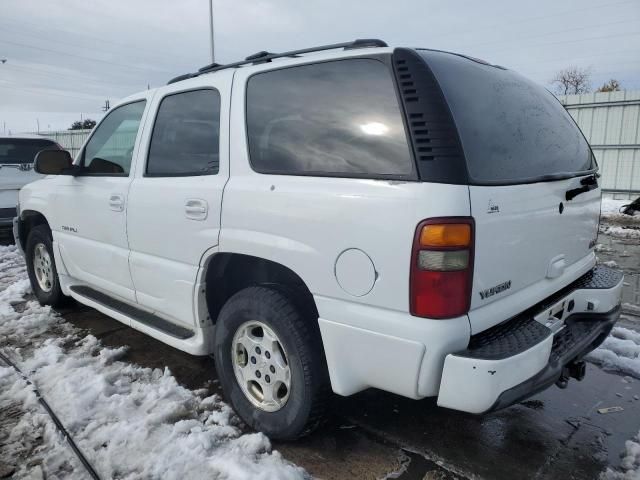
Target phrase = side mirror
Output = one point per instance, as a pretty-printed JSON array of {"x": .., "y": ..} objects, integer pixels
[{"x": 52, "y": 162}]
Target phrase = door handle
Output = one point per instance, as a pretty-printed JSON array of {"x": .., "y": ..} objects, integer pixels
[
  {"x": 196, "y": 209},
  {"x": 116, "y": 202}
]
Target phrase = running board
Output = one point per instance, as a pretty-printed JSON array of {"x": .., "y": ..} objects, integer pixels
[{"x": 134, "y": 313}]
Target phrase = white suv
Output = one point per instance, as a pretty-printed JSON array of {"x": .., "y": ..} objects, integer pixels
[{"x": 343, "y": 217}]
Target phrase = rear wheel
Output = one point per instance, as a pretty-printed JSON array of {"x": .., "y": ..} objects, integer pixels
[
  {"x": 270, "y": 364},
  {"x": 41, "y": 268}
]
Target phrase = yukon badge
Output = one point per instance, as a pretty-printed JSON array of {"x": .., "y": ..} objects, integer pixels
[
  {"x": 490, "y": 292},
  {"x": 492, "y": 207}
]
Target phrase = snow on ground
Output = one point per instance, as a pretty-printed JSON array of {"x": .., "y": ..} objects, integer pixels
[
  {"x": 630, "y": 463},
  {"x": 612, "y": 207},
  {"x": 130, "y": 422},
  {"x": 620, "y": 232},
  {"x": 620, "y": 352}
]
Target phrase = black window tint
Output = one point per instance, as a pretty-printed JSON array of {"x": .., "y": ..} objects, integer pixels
[
  {"x": 336, "y": 118},
  {"x": 512, "y": 129},
  {"x": 22, "y": 150},
  {"x": 110, "y": 148},
  {"x": 185, "y": 138}
]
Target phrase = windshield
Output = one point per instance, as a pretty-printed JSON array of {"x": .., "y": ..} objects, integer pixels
[
  {"x": 512, "y": 130},
  {"x": 22, "y": 150}
]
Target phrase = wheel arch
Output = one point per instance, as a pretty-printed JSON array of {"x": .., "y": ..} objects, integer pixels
[
  {"x": 27, "y": 221},
  {"x": 228, "y": 273}
]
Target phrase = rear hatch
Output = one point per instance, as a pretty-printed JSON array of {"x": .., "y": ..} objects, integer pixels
[{"x": 532, "y": 186}]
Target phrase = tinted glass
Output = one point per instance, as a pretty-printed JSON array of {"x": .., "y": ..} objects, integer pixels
[
  {"x": 110, "y": 148},
  {"x": 185, "y": 139},
  {"x": 337, "y": 118},
  {"x": 512, "y": 129},
  {"x": 22, "y": 150}
]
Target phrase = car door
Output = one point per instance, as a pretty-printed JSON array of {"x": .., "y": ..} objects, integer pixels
[
  {"x": 92, "y": 207},
  {"x": 175, "y": 198}
]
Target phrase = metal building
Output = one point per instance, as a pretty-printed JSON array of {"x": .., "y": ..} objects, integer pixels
[{"x": 611, "y": 123}]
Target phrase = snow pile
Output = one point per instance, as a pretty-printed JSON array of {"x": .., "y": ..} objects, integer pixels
[
  {"x": 32, "y": 436},
  {"x": 620, "y": 352},
  {"x": 610, "y": 212},
  {"x": 630, "y": 463},
  {"x": 620, "y": 232},
  {"x": 130, "y": 422},
  {"x": 612, "y": 207}
]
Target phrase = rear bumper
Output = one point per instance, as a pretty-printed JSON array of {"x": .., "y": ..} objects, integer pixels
[{"x": 527, "y": 354}]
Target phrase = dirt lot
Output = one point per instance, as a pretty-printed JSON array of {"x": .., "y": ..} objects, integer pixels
[{"x": 555, "y": 435}]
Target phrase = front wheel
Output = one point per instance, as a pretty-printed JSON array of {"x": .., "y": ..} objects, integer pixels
[
  {"x": 41, "y": 268},
  {"x": 270, "y": 364}
]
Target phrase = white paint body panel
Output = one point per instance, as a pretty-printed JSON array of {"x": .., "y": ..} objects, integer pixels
[
  {"x": 528, "y": 243},
  {"x": 166, "y": 242},
  {"x": 468, "y": 384}
]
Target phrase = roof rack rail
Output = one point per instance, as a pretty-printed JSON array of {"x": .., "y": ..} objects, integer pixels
[{"x": 263, "y": 56}]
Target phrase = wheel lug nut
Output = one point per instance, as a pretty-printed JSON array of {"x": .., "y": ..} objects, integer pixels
[
  {"x": 258, "y": 374},
  {"x": 267, "y": 378},
  {"x": 267, "y": 354},
  {"x": 253, "y": 360},
  {"x": 272, "y": 369},
  {"x": 258, "y": 350}
]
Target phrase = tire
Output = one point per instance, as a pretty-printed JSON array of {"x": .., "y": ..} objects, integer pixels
[
  {"x": 298, "y": 335},
  {"x": 40, "y": 238}
]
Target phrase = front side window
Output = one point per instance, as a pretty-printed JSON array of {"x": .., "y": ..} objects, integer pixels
[
  {"x": 186, "y": 135},
  {"x": 110, "y": 148},
  {"x": 338, "y": 118}
]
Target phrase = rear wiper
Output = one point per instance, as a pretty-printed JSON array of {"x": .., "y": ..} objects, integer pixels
[{"x": 588, "y": 183}]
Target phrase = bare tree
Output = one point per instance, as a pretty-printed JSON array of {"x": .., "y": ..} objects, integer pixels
[
  {"x": 612, "y": 85},
  {"x": 572, "y": 80}
]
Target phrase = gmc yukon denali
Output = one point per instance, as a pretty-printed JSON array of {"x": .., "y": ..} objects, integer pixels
[{"x": 337, "y": 218}]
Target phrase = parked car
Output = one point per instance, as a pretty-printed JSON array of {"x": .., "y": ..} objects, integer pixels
[
  {"x": 16, "y": 170},
  {"x": 338, "y": 218}
]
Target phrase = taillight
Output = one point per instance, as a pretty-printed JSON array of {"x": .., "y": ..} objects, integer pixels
[{"x": 442, "y": 267}]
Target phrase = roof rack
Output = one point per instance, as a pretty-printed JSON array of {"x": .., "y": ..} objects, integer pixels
[{"x": 262, "y": 57}]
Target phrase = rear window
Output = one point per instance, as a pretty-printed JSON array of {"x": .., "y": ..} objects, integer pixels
[
  {"x": 339, "y": 118},
  {"x": 186, "y": 135},
  {"x": 512, "y": 130},
  {"x": 22, "y": 150}
]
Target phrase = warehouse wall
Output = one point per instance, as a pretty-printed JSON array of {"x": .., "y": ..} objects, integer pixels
[{"x": 610, "y": 121}]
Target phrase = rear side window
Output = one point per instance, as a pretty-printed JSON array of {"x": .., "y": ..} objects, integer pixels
[
  {"x": 337, "y": 118},
  {"x": 22, "y": 150},
  {"x": 512, "y": 130},
  {"x": 186, "y": 135}
]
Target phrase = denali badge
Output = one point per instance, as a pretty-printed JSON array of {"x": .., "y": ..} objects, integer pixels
[{"x": 489, "y": 292}]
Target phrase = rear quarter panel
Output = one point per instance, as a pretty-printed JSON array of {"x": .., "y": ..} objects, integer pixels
[{"x": 305, "y": 223}]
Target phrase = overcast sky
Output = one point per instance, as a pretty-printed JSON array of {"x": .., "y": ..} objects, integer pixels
[{"x": 65, "y": 58}]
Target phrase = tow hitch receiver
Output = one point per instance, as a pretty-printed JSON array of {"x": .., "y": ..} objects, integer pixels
[{"x": 575, "y": 370}]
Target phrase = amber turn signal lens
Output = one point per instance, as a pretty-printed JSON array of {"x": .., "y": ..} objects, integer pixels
[{"x": 446, "y": 235}]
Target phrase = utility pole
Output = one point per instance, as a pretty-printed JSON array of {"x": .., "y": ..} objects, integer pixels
[
  {"x": 106, "y": 106},
  {"x": 213, "y": 58},
  {"x": 38, "y": 122}
]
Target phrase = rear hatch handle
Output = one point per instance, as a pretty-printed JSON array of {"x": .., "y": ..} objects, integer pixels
[{"x": 588, "y": 183}]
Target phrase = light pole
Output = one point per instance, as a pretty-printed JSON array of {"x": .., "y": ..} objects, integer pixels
[{"x": 211, "y": 29}]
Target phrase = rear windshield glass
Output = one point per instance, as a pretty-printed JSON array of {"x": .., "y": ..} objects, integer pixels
[
  {"x": 22, "y": 150},
  {"x": 512, "y": 130}
]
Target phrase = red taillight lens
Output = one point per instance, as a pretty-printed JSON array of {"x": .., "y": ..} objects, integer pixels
[{"x": 442, "y": 267}]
